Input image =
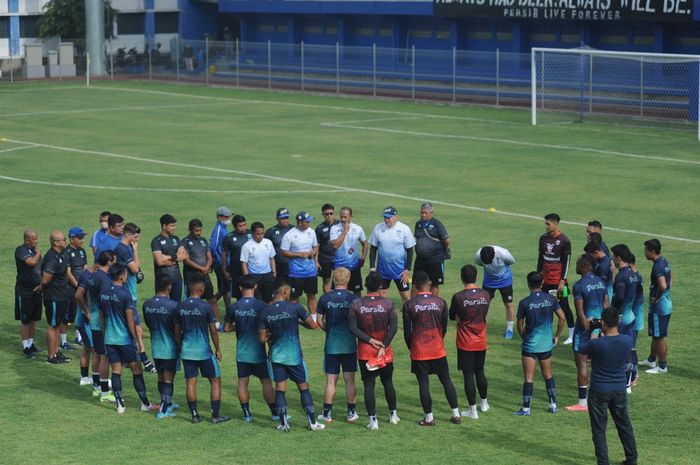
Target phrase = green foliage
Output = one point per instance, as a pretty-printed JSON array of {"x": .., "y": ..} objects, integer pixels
[{"x": 66, "y": 18}]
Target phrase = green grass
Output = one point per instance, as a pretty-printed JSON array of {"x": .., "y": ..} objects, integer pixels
[{"x": 269, "y": 150}]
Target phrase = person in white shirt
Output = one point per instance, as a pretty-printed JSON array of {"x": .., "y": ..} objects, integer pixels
[
  {"x": 345, "y": 236},
  {"x": 301, "y": 246},
  {"x": 497, "y": 275},
  {"x": 258, "y": 261}
]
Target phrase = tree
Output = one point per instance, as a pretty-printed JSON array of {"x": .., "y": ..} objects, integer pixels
[{"x": 66, "y": 18}]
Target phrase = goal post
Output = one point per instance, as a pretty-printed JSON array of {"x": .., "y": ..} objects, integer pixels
[{"x": 638, "y": 89}]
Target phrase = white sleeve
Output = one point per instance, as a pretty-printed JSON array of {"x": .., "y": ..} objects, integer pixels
[
  {"x": 477, "y": 258},
  {"x": 373, "y": 240},
  {"x": 361, "y": 237},
  {"x": 286, "y": 239},
  {"x": 273, "y": 252},
  {"x": 410, "y": 241},
  {"x": 335, "y": 232},
  {"x": 245, "y": 253},
  {"x": 505, "y": 255}
]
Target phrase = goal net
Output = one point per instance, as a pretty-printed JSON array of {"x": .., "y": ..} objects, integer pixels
[{"x": 627, "y": 88}]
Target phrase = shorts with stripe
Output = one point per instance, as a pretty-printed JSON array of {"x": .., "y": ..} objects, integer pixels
[
  {"x": 209, "y": 368},
  {"x": 55, "y": 312},
  {"x": 27, "y": 307},
  {"x": 658, "y": 325},
  {"x": 86, "y": 335}
]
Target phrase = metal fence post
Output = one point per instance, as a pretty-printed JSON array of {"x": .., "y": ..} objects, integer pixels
[
  {"x": 641, "y": 86},
  {"x": 150, "y": 69},
  {"x": 337, "y": 68},
  {"x": 206, "y": 58},
  {"x": 454, "y": 74},
  {"x": 237, "y": 60},
  {"x": 498, "y": 77},
  {"x": 87, "y": 69},
  {"x": 302, "y": 66},
  {"x": 177, "y": 58},
  {"x": 590, "y": 85},
  {"x": 413, "y": 71},
  {"x": 60, "y": 65},
  {"x": 269, "y": 64},
  {"x": 111, "y": 60},
  {"x": 374, "y": 70}
]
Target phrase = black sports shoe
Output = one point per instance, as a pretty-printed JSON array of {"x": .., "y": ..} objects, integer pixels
[
  {"x": 53, "y": 361},
  {"x": 150, "y": 367},
  {"x": 66, "y": 346},
  {"x": 62, "y": 358},
  {"x": 196, "y": 419},
  {"x": 34, "y": 348},
  {"x": 220, "y": 419},
  {"x": 28, "y": 353}
]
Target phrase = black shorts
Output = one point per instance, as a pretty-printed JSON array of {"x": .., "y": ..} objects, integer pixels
[
  {"x": 261, "y": 370},
  {"x": 124, "y": 354},
  {"x": 332, "y": 363},
  {"x": 468, "y": 360},
  {"x": 266, "y": 285},
  {"x": 506, "y": 293},
  {"x": 71, "y": 311},
  {"x": 304, "y": 286},
  {"x": 208, "y": 287},
  {"x": 386, "y": 284},
  {"x": 209, "y": 368},
  {"x": 436, "y": 271},
  {"x": 537, "y": 355},
  {"x": 166, "y": 364},
  {"x": 233, "y": 284},
  {"x": 55, "y": 312},
  {"x": 297, "y": 373},
  {"x": 222, "y": 284},
  {"x": 355, "y": 283},
  {"x": 366, "y": 375},
  {"x": 86, "y": 335},
  {"x": 326, "y": 269},
  {"x": 98, "y": 342},
  {"x": 27, "y": 307},
  {"x": 436, "y": 366}
]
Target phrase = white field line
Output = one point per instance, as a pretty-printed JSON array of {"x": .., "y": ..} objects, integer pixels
[
  {"x": 111, "y": 109},
  {"x": 157, "y": 189},
  {"x": 495, "y": 140},
  {"x": 192, "y": 176},
  {"x": 337, "y": 188},
  {"x": 16, "y": 148}
]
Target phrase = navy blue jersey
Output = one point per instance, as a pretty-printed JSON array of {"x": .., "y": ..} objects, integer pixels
[
  {"x": 56, "y": 264},
  {"x": 97, "y": 283},
  {"x": 281, "y": 319},
  {"x": 429, "y": 237},
  {"x": 639, "y": 304},
  {"x": 658, "y": 269},
  {"x": 232, "y": 245},
  {"x": 537, "y": 310},
  {"x": 195, "y": 316},
  {"x": 335, "y": 306},
  {"x": 245, "y": 313},
  {"x": 159, "y": 315},
  {"x": 326, "y": 252},
  {"x": 84, "y": 282},
  {"x": 609, "y": 356},
  {"x": 592, "y": 291},
  {"x": 625, "y": 289},
  {"x": 603, "y": 269},
  {"x": 115, "y": 301},
  {"x": 125, "y": 254}
]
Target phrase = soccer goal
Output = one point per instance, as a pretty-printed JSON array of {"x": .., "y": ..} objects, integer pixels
[{"x": 628, "y": 88}]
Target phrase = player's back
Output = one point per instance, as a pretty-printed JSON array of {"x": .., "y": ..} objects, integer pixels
[
  {"x": 245, "y": 313},
  {"x": 427, "y": 316},
  {"x": 335, "y": 306},
  {"x": 159, "y": 316},
  {"x": 195, "y": 316}
]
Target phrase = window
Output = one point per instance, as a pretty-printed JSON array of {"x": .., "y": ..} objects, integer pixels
[
  {"x": 130, "y": 23},
  {"x": 167, "y": 23},
  {"x": 28, "y": 26},
  {"x": 4, "y": 28}
]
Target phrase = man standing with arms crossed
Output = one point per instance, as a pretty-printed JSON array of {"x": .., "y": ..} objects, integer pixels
[
  {"x": 168, "y": 252},
  {"x": 432, "y": 247},
  {"x": 27, "y": 301},
  {"x": 391, "y": 247},
  {"x": 326, "y": 252},
  {"x": 553, "y": 263},
  {"x": 344, "y": 238},
  {"x": 660, "y": 307}
]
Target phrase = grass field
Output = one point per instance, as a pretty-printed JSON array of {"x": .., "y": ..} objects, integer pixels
[{"x": 68, "y": 152}]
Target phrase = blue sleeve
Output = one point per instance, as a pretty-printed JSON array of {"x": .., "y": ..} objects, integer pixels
[
  {"x": 578, "y": 291},
  {"x": 302, "y": 313},
  {"x": 321, "y": 307},
  {"x": 83, "y": 279},
  {"x": 588, "y": 348},
  {"x": 618, "y": 292},
  {"x": 521, "y": 311},
  {"x": 262, "y": 322}
]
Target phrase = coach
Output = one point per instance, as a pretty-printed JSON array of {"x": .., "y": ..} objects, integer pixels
[{"x": 609, "y": 355}]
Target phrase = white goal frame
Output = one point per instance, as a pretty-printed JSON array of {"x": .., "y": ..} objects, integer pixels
[{"x": 651, "y": 57}]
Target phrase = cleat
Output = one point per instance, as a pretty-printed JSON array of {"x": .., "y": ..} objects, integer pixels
[
  {"x": 220, "y": 419},
  {"x": 327, "y": 419},
  {"x": 353, "y": 417},
  {"x": 277, "y": 417},
  {"x": 484, "y": 405},
  {"x": 394, "y": 419},
  {"x": 121, "y": 408},
  {"x": 316, "y": 426},
  {"x": 34, "y": 348},
  {"x": 66, "y": 346},
  {"x": 109, "y": 398},
  {"x": 196, "y": 419},
  {"x": 469, "y": 414},
  {"x": 53, "y": 361},
  {"x": 577, "y": 408},
  {"x": 248, "y": 418},
  {"x": 168, "y": 413},
  {"x": 628, "y": 390},
  {"x": 552, "y": 409},
  {"x": 456, "y": 420},
  {"x": 522, "y": 413},
  {"x": 96, "y": 393},
  {"x": 62, "y": 358},
  {"x": 173, "y": 406},
  {"x": 28, "y": 353},
  {"x": 373, "y": 425},
  {"x": 657, "y": 370},
  {"x": 284, "y": 428},
  {"x": 569, "y": 341},
  {"x": 508, "y": 334},
  {"x": 85, "y": 381},
  {"x": 425, "y": 422},
  {"x": 646, "y": 363},
  {"x": 149, "y": 407},
  {"x": 150, "y": 367}
]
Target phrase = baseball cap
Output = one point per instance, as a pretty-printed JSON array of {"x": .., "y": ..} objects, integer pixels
[
  {"x": 76, "y": 231},
  {"x": 305, "y": 216},
  {"x": 388, "y": 212},
  {"x": 282, "y": 213},
  {"x": 223, "y": 211}
]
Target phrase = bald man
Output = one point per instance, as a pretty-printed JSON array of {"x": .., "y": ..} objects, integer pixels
[{"x": 28, "y": 302}]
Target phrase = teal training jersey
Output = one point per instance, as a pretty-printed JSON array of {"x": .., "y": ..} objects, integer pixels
[
  {"x": 194, "y": 317},
  {"x": 335, "y": 306},
  {"x": 159, "y": 316},
  {"x": 537, "y": 310}
]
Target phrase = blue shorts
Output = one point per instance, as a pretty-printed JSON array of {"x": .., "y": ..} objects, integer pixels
[
  {"x": 137, "y": 318},
  {"x": 581, "y": 336},
  {"x": 627, "y": 329},
  {"x": 86, "y": 335},
  {"x": 121, "y": 354},
  {"x": 297, "y": 373},
  {"x": 333, "y": 362},
  {"x": 167, "y": 364},
  {"x": 209, "y": 368},
  {"x": 261, "y": 370},
  {"x": 537, "y": 355},
  {"x": 658, "y": 325},
  {"x": 98, "y": 341}
]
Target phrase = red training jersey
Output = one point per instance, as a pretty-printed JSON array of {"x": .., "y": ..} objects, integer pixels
[
  {"x": 554, "y": 257},
  {"x": 424, "y": 325},
  {"x": 372, "y": 314},
  {"x": 470, "y": 308}
]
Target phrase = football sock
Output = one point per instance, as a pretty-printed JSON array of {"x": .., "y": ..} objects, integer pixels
[
  {"x": 140, "y": 386},
  {"x": 104, "y": 386},
  {"x": 351, "y": 408},
  {"x": 192, "y": 404},
  {"x": 117, "y": 387},
  {"x": 472, "y": 410},
  {"x": 308, "y": 404},
  {"x": 509, "y": 325},
  {"x": 551, "y": 390},
  {"x": 64, "y": 338},
  {"x": 26, "y": 344},
  {"x": 246, "y": 409},
  {"x": 527, "y": 395},
  {"x": 281, "y": 403},
  {"x": 582, "y": 391},
  {"x": 455, "y": 412},
  {"x": 96, "y": 380},
  {"x": 429, "y": 416},
  {"x": 83, "y": 372},
  {"x": 651, "y": 358},
  {"x": 662, "y": 364},
  {"x": 31, "y": 341},
  {"x": 215, "y": 407},
  {"x": 144, "y": 357},
  {"x": 78, "y": 337},
  {"x": 327, "y": 409},
  {"x": 167, "y": 397},
  {"x": 273, "y": 408}
]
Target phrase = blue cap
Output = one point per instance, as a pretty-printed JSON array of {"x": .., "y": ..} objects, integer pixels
[
  {"x": 305, "y": 216},
  {"x": 282, "y": 213},
  {"x": 388, "y": 212},
  {"x": 76, "y": 231}
]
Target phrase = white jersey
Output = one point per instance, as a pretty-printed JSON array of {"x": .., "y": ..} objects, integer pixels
[
  {"x": 391, "y": 244},
  {"x": 257, "y": 255},
  {"x": 297, "y": 240},
  {"x": 347, "y": 255},
  {"x": 497, "y": 274}
]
